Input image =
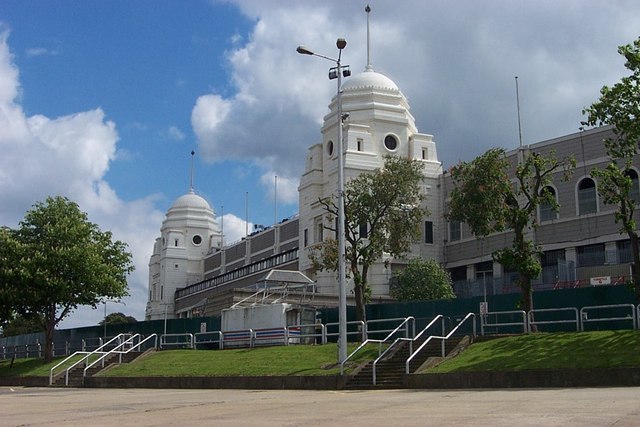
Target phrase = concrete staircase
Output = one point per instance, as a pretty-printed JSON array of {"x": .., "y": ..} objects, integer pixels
[
  {"x": 390, "y": 371},
  {"x": 76, "y": 378}
]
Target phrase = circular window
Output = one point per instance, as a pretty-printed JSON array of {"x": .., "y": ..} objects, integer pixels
[
  {"x": 197, "y": 239},
  {"x": 391, "y": 142},
  {"x": 330, "y": 148}
]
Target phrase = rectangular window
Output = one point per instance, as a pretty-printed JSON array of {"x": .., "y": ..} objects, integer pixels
[
  {"x": 425, "y": 153},
  {"x": 625, "y": 256},
  {"x": 318, "y": 229},
  {"x": 306, "y": 237},
  {"x": 360, "y": 144},
  {"x": 454, "y": 231},
  {"x": 587, "y": 202},
  {"x": 428, "y": 232},
  {"x": 591, "y": 255},
  {"x": 363, "y": 231}
]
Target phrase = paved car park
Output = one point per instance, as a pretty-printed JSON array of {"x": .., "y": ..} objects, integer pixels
[{"x": 220, "y": 407}]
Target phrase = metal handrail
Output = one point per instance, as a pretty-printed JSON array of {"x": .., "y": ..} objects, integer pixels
[
  {"x": 380, "y": 342},
  {"x": 190, "y": 342},
  {"x": 525, "y": 328},
  {"x": 210, "y": 341},
  {"x": 116, "y": 350},
  {"x": 363, "y": 329},
  {"x": 608, "y": 319},
  {"x": 444, "y": 338},
  {"x": 531, "y": 321},
  {"x": 99, "y": 350},
  {"x": 403, "y": 319}
]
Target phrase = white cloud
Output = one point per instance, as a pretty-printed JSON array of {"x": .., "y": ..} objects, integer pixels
[
  {"x": 234, "y": 228},
  {"x": 70, "y": 155},
  {"x": 455, "y": 61},
  {"x": 175, "y": 134}
]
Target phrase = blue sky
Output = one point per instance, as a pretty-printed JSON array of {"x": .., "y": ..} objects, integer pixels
[{"x": 103, "y": 101}]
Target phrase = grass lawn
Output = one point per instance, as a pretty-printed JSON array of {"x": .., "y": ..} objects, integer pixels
[
  {"x": 265, "y": 361},
  {"x": 600, "y": 349}
]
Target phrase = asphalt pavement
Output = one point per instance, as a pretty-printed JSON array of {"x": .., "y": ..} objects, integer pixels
[{"x": 153, "y": 407}]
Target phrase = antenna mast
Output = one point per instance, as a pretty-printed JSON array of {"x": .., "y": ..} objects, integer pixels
[
  {"x": 518, "y": 106},
  {"x": 191, "y": 174},
  {"x": 369, "y": 67}
]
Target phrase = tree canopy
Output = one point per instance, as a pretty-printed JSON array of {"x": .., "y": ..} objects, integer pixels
[
  {"x": 489, "y": 200},
  {"x": 57, "y": 260},
  {"x": 619, "y": 106},
  {"x": 422, "y": 280},
  {"x": 117, "y": 319},
  {"x": 383, "y": 210}
]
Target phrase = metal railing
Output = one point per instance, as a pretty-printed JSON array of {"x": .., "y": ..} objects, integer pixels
[
  {"x": 405, "y": 322},
  {"x": 443, "y": 338},
  {"x": 497, "y": 324},
  {"x": 584, "y": 311},
  {"x": 84, "y": 359},
  {"x": 121, "y": 349},
  {"x": 533, "y": 323},
  {"x": 208, "y": 338},
  {"x": 187, "y": 342},
  {"x": 360, "y": 330},
  {"x": 409, "y": 321}
]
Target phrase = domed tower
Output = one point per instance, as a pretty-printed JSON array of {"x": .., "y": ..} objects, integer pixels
[
  {"x": 188, "y": 233},
  {"x": 376, "y": 123}
]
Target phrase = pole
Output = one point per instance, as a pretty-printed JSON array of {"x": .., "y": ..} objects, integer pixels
[
  {"x": 105, "y": 320},
  {"x": 342, "y": 298},
  {"x": 518, "y": 107}
]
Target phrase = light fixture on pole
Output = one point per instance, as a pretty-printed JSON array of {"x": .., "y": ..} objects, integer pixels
[{"x": 338, "y": 72}]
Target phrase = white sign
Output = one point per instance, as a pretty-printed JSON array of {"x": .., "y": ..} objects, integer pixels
[
  {"x": 203, "y": 326},
  {"x": 602, "y": 280},
  {"x": 484, "y": 307}
]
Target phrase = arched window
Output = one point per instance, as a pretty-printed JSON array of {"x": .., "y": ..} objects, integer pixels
[
  {"x": 634, "y": 191},
  {"x": 587, "y": 202},
  {"x": 547, "y": 211}
]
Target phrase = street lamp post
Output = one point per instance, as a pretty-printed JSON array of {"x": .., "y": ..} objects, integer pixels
[{"x": 338, "y": 72}]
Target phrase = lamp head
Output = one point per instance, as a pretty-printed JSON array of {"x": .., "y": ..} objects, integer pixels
[
  {"x": 341, "y": 43},
  {"x": 304, "y": 51}
]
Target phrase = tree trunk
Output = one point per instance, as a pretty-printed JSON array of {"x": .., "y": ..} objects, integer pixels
[
  {"x": 359, "y": 287},
  {"x": 49, "y": 328},
  {"x": 360, "y": 304}
]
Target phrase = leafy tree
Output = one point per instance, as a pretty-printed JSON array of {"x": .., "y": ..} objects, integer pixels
[
  {"x": 382, "y": 215},
  {"x": 19, "y": 326},
  {"x": 489, "y": 201},
  {"x": 117, "y": 319},
  {"x": 422, "y": 280},
  {"x": 57, "y": 260},
  {"x": 619, "y": 106}
]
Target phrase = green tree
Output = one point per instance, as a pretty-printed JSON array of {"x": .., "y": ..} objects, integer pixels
[
  {"x": 117, "y": 319},
  {"x": 619, "y": 106},
  {"x": 57, "y": 260},
  {"x": 489, "y": 201},
  {"x": 382, "y": 215},
  {"x": 19, "y": 326},
  {"x": 422, "y": 280}
]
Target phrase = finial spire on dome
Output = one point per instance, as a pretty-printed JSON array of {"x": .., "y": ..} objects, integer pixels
[
  {"x": 191, "y": 177},
  {"x": 369, "y": 67}
]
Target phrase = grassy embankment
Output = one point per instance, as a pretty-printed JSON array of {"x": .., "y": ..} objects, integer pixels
[{"x": 602, "y": 349}]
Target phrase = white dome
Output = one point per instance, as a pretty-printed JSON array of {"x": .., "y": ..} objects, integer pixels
[
  {"x": 369, "y": 79},
  {"x": 190, "y": 200}
]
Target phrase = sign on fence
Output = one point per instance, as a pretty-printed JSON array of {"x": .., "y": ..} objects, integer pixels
[{"x": 600, "y": 280}]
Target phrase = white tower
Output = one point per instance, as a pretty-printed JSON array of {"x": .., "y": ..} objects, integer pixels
[
  {"x": 378, "y": 124},
  {"x": 188, "y": 233}
]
